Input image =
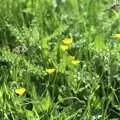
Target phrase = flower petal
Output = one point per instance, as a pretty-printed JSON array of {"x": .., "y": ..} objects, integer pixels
[{"x": 20, "y": 91}]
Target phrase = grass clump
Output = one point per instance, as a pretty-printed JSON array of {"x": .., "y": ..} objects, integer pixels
[{"x": 59, "y": 60}]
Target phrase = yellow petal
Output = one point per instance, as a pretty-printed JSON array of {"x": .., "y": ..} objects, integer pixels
[
  {"x": 64, "y": 47},
  {"x": 74, "y": 62},
  {"x": 71, "y": 58},
  {"x": 50, "y": 71},
  {"x": 116, "y": 36},
  {"x": 20, "y": 91},
  {"x": 67, "y": 41}
]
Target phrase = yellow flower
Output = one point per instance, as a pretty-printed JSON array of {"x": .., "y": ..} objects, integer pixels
[
  {"x": 20, "y": 91},
  {"x": 75, "y": 62},
  {"x": 116, "y": 36},
  {"x": 64, "y": 47},
  {"x": 67, "y": 41},
  {"x": 71, "y": 58},
  {"x": 50, "y": 71}
]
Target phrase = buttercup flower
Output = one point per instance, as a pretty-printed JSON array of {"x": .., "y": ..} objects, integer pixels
[
  {"x": 50, "y": 71},
  {"x": 20, "y": 91},
  {"x": 116, "y": 36},
  {"x": 64, "y": 47},
  {"x": 67, "y": 41},
  {"x": 71, "y": 58},
  {"x": 75, "y": 62}
]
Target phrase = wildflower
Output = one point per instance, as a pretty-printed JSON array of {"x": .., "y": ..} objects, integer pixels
[
  {"x": 67, "y": 41},
  {"x": 71, "y": 58},
  {"x": 20, "y": 91},
  {"x": 64, "y": 47},
  {"x": 50, "y": 71},
  {"x": 116, "y": 36},
  {"x": 75, "y": 62}
]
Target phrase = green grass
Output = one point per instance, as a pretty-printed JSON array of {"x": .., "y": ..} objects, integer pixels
[{"x": 31, "y": 35}]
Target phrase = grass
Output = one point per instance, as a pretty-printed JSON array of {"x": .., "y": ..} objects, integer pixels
[{"x": 77, "y": 80}]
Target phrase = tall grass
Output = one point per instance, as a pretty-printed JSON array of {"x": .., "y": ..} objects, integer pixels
[{"x": 31, "y": 36}]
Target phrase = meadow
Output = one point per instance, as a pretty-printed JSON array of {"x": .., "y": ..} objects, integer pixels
[{"x": 59, "y": 60}]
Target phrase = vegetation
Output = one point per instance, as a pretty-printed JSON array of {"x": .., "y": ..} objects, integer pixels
[{"x": 59, "y": 60}]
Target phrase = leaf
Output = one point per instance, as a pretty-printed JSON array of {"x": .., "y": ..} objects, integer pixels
[
  {"x": 46, "y": 102},
  {"x": 99, "y": 42}
]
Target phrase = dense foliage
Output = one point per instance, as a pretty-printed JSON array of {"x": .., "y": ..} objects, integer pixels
[{"x": 58, "y": 60}]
